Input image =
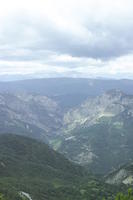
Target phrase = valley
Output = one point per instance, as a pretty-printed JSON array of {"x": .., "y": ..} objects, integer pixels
[{"x": 91, "y": 137}]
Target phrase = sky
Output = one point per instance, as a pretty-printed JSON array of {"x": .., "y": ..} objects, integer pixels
[{"x": 66, "y": 38}]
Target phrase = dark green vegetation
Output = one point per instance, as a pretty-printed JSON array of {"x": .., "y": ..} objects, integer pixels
[{"x": 31, "y": 166}]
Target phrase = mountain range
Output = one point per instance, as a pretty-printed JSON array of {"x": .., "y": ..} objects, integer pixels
[
  {"x": 68, "y": 92},
  {"x": 95, "y": 133},
  {"x": 89, "y": 122}
]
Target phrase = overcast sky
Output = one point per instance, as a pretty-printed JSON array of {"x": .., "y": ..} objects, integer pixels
[{"x": 66, "y": 38}]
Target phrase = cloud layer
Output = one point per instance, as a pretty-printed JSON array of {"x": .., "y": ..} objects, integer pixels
[{"x": 55, "y": 38}]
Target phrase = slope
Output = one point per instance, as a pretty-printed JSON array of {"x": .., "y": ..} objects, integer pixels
[
  {"x": 35, "y": 116},
  {"x": 98, "y": 134},
  {"x": 32, "y": 168}
]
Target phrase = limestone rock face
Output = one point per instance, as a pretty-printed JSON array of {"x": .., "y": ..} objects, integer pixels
[
  {"x": 110, "y": 104},
  {"x": 124, "y": 175}
]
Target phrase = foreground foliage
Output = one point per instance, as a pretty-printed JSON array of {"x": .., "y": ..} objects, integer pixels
[
  {"x": 32, "y": 167},
  {"x": 122, "y": 196}
]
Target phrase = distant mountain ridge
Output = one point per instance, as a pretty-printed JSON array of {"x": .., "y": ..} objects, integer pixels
[{"x": 69, "y": 92}]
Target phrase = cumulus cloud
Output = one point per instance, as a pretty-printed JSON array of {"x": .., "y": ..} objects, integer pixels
[{"x": 82, "y": 38}]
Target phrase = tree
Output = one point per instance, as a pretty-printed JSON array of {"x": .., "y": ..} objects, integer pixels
[
  {"x": 2, "y": 197},
  {"x": 121, "y": 196}
]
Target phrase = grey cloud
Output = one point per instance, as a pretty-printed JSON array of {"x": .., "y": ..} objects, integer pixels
[
  {"x": 31, "y": 38},
  {"x": 40, "y": 36}
]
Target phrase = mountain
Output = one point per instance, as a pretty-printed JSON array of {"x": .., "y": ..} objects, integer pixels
[
  {"x": 94, "y": 131},
  {"x": 69, "y": 92},
  {"x": 35, "y": 116},
  {"x": 98, "y": 133},
  {"x": 30, "y": 168},
  {"x": 123, "y": 175},
  {"x": 110, "y": 104},
  {"x": 34, "y": 168}
]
